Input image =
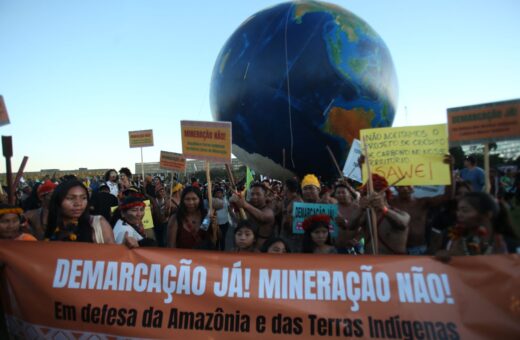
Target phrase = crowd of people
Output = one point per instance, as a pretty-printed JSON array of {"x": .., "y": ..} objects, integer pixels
[{"x": 376, "y": 219}]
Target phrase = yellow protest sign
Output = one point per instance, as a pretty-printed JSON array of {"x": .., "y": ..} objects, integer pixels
[
  {"x": 147, "y": 219},
  {"x": 141, "y": 138},
  {"x": 210, "y": 141},
  {"x": 413, "y": 153},
  {"x": 172, "y": 161}
]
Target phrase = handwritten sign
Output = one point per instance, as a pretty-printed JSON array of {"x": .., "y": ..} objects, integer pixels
[
  {"x": 351, "y": 168},
  {"x": 4, "y": 116},
  {"x": 140, "y": 139},
  {"x": 172, "y": 161},
  {"x": 303, "y": 210},
  {"x": 415, "y": 153},
  {"x": 484, "y": 123},
  {"x": 210, "y": 141}
]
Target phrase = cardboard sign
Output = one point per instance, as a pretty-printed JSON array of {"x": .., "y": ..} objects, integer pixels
[
  {"x": 172, "y": 161},
  {"x": 303, "y": 210},
  {"x": 415, "y": 153},
  {"x": 4, "y": 116},
  {"x": 210, "y": 141},
  {"x": 66, "y": 290},
  {"x": 140, "y": 139},
  {"x": 484, "y": 123},
  {"x": 352, "y": 169}
]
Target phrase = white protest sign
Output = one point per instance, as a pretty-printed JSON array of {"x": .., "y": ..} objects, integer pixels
[{"x": 351, "y": 168}]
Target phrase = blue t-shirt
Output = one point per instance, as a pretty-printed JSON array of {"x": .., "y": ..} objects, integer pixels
[{"x": 475, "y": 176}]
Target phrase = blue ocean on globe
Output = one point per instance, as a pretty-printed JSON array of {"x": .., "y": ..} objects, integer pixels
[{"x": 298, "y": 77}]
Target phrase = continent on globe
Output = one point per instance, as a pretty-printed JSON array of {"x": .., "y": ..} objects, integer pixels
[{"x": 301, "y": 76}]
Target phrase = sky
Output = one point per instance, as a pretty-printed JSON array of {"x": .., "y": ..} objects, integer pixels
[{"x": 77, "y": 75}]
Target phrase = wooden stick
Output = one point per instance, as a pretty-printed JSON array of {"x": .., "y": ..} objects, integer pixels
[
  {"x": 487, "y": 185},
  {"x": 19, "y": 174},
  {"x": 210, "y": 201},
  {"x": 372, "y": 221},
  {"x": 340, "y": 173},
  {"x": 391, "y": 185},
  {"x": 234, "y": 188}
]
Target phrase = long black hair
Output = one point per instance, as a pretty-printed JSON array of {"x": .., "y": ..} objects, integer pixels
[
  {"x": 308, "y": 243},
  {"x": 107, "y": 175},
  {"x": 55, "y": 219},
  {"x": 182, "y": 212}
]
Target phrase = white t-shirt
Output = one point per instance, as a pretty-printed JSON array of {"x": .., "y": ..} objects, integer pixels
[
  {"x": 114, "y": 189},
  {"x": 223, "y": 214},
  {"x": 121, "y": 228}
]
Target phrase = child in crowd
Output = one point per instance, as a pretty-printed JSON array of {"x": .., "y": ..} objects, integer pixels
[
  {"x": 10, "y": 224},
  {"x": 245, "y": 237},
  {"x": 317, "y": 238}
]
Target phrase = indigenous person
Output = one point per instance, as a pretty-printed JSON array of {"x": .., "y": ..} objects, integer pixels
[
  {"x": 130, "y": 225},
  {"x": 37, "y": 218},
  {"x": 245, "y": 238},
  {"x": 111, "y": 179},
  {"x": 473, "y": 174},
  {"x": 258, "y": 212},
  {"x": 222, "y": 215},
  {"x": 316, "y": 239},
  {"x": 275, "y": 245},
  {"x": 102, "y": 202},
  {"x": 475, "y": 233},
  {"x": 69, "y": 218},
  {"x": 348, "y": 237},
  {"x": 10, "y": 224},
  {"x": 290, "y": 196},
  {"x": 392, "y": 224},
  {"x": 160, "y": 213},
  {"x": 125, "y": 179},
  {"x": 175, "y": 197},
  {"x": 185, "y": 228}
]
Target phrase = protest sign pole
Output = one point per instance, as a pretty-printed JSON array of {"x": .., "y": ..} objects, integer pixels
[
  {"x": 487, "y": 186},
  {"x": 234, "y": 188},
  {"x": 142, "y": 164},
  {"x": 210, "y": 202},
  {"x": 19, "y": 174},
  {"x": 371, "y": 214},
  {"x": 340, "y": 173},
  {"x": 7, "y": 148}
]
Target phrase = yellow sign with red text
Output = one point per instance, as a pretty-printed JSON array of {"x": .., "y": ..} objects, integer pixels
[
  {"x": 210, "y": 141},
  {"x": 414, "y": 153},
  {"x": 140, "y": 139},
  {"x": 172, "y": 161}
]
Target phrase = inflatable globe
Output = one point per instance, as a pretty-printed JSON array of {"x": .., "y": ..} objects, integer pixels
[{"x": 296, "y": 78}]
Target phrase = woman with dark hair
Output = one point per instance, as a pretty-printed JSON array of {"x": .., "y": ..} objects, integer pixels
[
  {"x": 275, "y": 245},
  {"x": 317, "y": 238},
  {"x": 475, "y": 232},
  {"x": 69, "y": 218},
  {"x": 111, "y": 179},
  {"x": 185, "y": 229}
]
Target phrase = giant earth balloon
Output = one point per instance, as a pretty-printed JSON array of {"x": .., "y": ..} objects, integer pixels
[{"x": 298, "y": 77}]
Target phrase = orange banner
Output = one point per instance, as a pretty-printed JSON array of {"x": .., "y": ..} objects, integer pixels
[
  {"x": 83, "y": 291},
  {"x": 484, "y": 123}
]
